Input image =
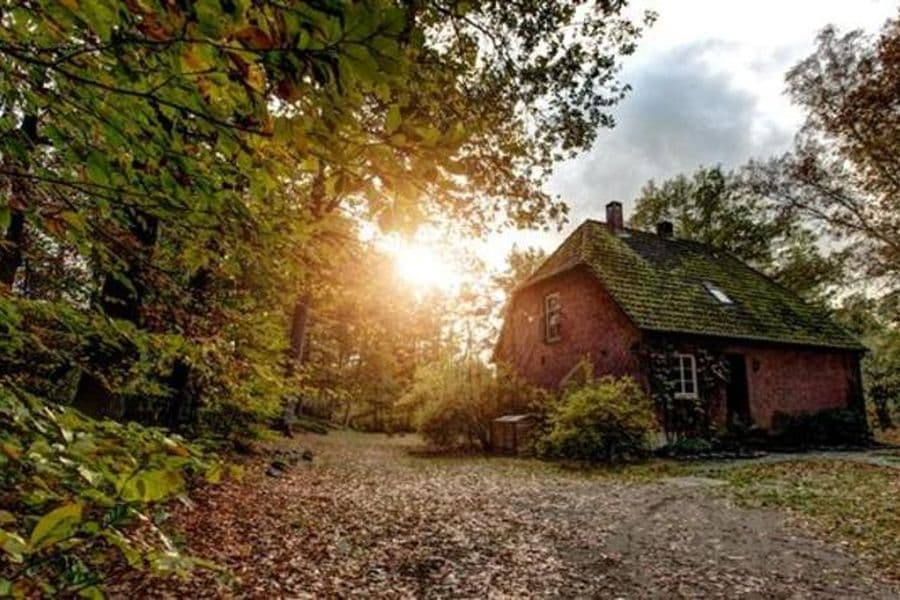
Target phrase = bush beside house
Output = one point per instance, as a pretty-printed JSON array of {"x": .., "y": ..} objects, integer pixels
[
  {"x": 824, "y": 428},
  {"x": 455, "y": 401},
  {"x": 605, "y": 420}
]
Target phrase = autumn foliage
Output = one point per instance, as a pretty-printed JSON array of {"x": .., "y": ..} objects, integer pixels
[{"x": 184, "y": 190}]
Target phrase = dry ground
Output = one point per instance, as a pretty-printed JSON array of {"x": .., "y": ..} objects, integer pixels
[{"x": 366, "y": 519}]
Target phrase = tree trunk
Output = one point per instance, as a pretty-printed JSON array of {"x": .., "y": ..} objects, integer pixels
[
  {"x": 883, "y": 414},
  {"x": 300, "y": 316},
  {"x": 181, "y": 397},
  {"x": 119, "y": 301},
  {"x": 181, "y": 407},
  {"x": 299, "y": 321},
  {"x": 11, "y": 249},
  {"x": 347, "y": 414}
]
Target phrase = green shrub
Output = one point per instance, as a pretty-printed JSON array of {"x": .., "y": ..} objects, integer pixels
[
  {"x": 883, "y": 392},
  {"x": 606, "y": 420},
  {"x": 686, "y": 446},
  {"x": 451, "y": 422},
  {"x": 823, "y": 428},
  {"x": 881, "y": 373},
  {"x": 455, "y": 400},
  {"x": 73, "y": 490}
]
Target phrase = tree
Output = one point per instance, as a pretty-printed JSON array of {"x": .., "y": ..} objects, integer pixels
[
  {"x": 183, "y": 155},
  {"x": 520, "y": 264},
  {"x": 842, "y": 176},
  {"x": 842, "y": 172},
  {"x": 455, "y": 398},
  {"x": 173, "y": 178},
  {"x": 368, "y": 334},
  {"x": 876, "y": 323},
  {"x": 724, "y": 209}
]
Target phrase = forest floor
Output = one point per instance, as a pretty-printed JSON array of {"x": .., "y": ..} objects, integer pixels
[{"x": 366, "y": 518}]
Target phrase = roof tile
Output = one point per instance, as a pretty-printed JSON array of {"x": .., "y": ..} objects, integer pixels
[{"x": 661, "y": 283}]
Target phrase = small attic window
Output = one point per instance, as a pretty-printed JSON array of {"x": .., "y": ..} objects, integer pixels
[{"x": 718, "y": 294}]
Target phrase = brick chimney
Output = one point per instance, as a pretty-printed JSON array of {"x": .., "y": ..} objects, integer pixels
[
  {"x": 614, "y": 217},
  {"x": 665, "y": 229}
]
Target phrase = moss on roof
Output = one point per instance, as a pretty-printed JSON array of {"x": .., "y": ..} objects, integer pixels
[{"x": 661, "y": 284}]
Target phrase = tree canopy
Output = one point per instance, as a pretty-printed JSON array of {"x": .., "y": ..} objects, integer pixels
[
  {"x": 842, "y": 172},
  {"x": 724, "y": 209},
  {"x": 184, "y": 185},
  {"x": 188, "y": 167}
]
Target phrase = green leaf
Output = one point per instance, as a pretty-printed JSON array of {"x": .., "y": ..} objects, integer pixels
[
  {"x": 90, "y": 476},
  {"x": 150, "y": 486},
  {"x": 100, "y": 16},
  {"x": 91, "y": 592},
  {"x": 13, "y": 545},
  {"x": 97, "y": 168},
  {"x": 214, "y": 474},
  {"x": 5, "y": 217},
  {"x": 210, "y": 17},
  {"x": 131, "y": 554},
  {"x": 55, "y": 526},
  {"x": 393, "y": 119},
  {"x": 10, "y": 450}
]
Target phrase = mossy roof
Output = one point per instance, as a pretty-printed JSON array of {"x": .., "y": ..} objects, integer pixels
[{"x": 662, "y": 285}]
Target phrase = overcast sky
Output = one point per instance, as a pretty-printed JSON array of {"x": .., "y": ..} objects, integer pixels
[{"x": 708, "y": 83}]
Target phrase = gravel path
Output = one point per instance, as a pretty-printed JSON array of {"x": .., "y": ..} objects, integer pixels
[{"x": 365, "y": 519}]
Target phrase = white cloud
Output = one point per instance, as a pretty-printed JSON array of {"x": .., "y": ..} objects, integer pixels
[{"x": 708, "y": 82}]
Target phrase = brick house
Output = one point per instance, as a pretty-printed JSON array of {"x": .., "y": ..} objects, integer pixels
[{"x": 699, "y": 329}]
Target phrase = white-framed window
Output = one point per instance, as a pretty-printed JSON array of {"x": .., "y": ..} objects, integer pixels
[
  {"x": 552, "y": 317},
  {"x": 717, "y": 293},
  {"x": 685, "y": 376}
]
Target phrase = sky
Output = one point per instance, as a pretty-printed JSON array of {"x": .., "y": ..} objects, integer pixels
[{"x": 707, "y": 88}]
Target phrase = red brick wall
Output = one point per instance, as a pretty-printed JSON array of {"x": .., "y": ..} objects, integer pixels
[
  {"x": 592, "y": 325},
  {"x": 796, "y": 380},
  {"x": 784, "y": 379},
  {"x": 779, "y": 378}
]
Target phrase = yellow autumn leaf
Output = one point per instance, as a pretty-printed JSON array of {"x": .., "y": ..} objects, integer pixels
[{"x": 57, "y": 525}]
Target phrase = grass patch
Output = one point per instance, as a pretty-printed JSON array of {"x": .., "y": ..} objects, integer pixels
[
  {"x": 845, "y": 501},
  {"x": 642, "y": 472}
]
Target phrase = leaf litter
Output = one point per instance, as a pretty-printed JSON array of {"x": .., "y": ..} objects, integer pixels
[{"x": 365, "y": 519}]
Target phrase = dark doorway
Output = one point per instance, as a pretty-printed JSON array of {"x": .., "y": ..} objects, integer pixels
[{"x": 737, "y": 397}]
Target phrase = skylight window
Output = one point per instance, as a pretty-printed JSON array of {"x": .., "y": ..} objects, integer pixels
[{"x": 718, "y": 294}]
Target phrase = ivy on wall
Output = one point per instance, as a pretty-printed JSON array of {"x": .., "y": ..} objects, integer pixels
[{"x": 680, "y": 416}]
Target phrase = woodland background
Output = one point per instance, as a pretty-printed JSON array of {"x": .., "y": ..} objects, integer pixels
[{"x": 187, "y": 191}]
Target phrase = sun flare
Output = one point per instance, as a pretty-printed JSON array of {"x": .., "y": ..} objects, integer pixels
[{"x": 423, "y": 268}]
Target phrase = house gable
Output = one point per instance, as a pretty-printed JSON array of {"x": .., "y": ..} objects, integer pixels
[{"x": 591, "y": 325}]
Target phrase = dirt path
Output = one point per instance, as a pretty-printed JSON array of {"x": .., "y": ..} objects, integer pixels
[{"x": 364, "y": 519}]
